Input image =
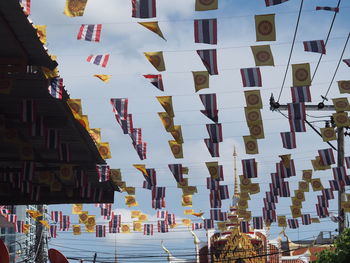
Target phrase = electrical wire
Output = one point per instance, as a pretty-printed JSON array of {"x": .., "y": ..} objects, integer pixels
[{"x": 291, "y": 49}]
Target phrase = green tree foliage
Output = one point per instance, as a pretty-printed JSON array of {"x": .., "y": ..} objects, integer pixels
[{"x": 339, "y": 252}]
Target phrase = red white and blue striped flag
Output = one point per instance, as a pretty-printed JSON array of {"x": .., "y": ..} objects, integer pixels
[
  {"x": 296, "y": 111},
  {"x": 100, "y": 60},
  {"x": 56, "y": 88},
  {"x": 326, "y": 156},
  {"x": 162, "y": 226},
  {"x": 258, "y": 222},
  {"x": 297, "y": 125},
  {"x": 100, "y": 231},
  {"x": 162, "y": 214},
  {"x": 224, "y": 193},
  {"x": 328, "y": 193},
  {"x": 213, "y": 148},
  {"x": 90, "y": 32},
  {"x": 301, "y": 94},
  {"x": 158, "y": 203},
  {"x": 103, "y": 172},
  {"x": 196, "y": 226},
  {"x": 65, "y": 224},
  {"x": 171, "y": 219},
  {"x": 176, "y": 170},
  {"x": 244, "y": 226},
  {"x": 158, "y": 193},
  {"x": 155, "y": 80},
  {"x": 26, "y": 6},
  {"x": 56, "y": 216},
  {"x": 205, "y": 31},
  {"x": 251, "y": 77},
  {"x": 144, "y": 8},
  {"x": 327, "y": 8},
  {"x": 347, "y": 162},
  {"x": 274, "y": 2},
  {"x": 210, "y": 105},
  {"x": 215, "y": 132},
  {"x": 209, "y": 59},
  {"x": 306, "y": 219},
  {"x": 347, "y": 61},
  {"x": 148, "y": 229},
  {"x": 120, "y": 107},
  {"x": 53, "y": 231},
  {"x": 293, "y": 223},
  {"x": 317, "y": 46},
  {"x": 250, "y": 169},
  {"x": 212, "y": 184},
  {"x": 208, "y": 224}
]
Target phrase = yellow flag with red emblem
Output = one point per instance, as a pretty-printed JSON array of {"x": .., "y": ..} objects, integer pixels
[
  {"x": 201, "y": 80},
  {"x": 76, "y": 230},
  {"x": 83, "y": 217},
  {"x": 187, "y": 200},
  {"x": 301, "y": 75},
  {"x": 262, "y": 55},
  {"x": 282, "y": 221},
  {"x": 328, "y": 134},
  {"x": 344, "y": 86},
  {"x": 153, "y": 26},
  {"x": 167, "y": 121},
  {"x": 265, "y": 27},
  {"x": 103, "y": 77},
  {"x": 77, "y": 209},
  {"x": 341, "y": 104},
  {"x": 103, "y": 149},
  {"x": 177, "y": 134},
  {"x": 205, "y": 5},
  {"x": 251, "y": 145},
  {"x": 75, "y": 7},
  {"x": 156, "y": 59},
  {"x": 167, "y": 104},
  {"x": 176, "y": 149},
  {"x": 316, "y": 184}
]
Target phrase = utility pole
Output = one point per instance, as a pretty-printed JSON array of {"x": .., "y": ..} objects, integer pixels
[{"x": 340, "y": 149}]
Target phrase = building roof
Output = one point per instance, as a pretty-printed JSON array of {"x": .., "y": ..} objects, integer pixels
[{"x": 53, "y": 180}]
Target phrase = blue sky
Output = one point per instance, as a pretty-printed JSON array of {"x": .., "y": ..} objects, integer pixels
[{"x": 126, "y": 41}]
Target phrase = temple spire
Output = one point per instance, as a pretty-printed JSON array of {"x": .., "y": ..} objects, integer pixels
[{"x": 236, "y": 192}]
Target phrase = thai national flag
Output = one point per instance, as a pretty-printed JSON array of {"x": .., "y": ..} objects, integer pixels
[
  {"x": 258, "y": 222},
  {"x": 209, "y": 59},
  {"x": 251, "y": 77},
  {"x": 301, "y": 94},
  {"x": 90, "y": 32},
  {"x": 100, "y": 231},
  {"x": 326, "y": 156},
  {"x": 347, "y": 61},
  {"x": 156, "y": 80},
  {"x": 56, "y": 88},
  {"x": 284, "y": 191},
  {"x": 205, "y": 31},
  {"x": 144, "y": 8},
  {"x": 208, "y": 224},
  {"x": 322, "y": 212},
  {"x": 244, "y": 226},
  {"x": 288, "y": 140},
  {"x": 269, "y": 215},
  {"x": 171, "y": 219},
  {"x": 215, "y": 132},
  {"x": 100, "y": 60},
  {"x": 224, "y": 194},
  {"x": 212, "y": 184},
  {"x": 158, "y": 203},
  {"x": 328, "y": 194},
  {"x": 322, "y": 201},
  {"x": 250, "y": 169},
  {"x": 53, "y": 231},
  {"x": 162, "y": 214},
  {"x": 152, "y": 176},
  {"x": 56, "y": 216},
  {"x": 196, "y": 226},
  {"x": 327, "y": 8},
  {"x": 26, "y": 6},
  {"x": 306, "y": 219},
  {"x": 103, "y": 171},
  {"x": 293, "y": 223},
  {"x": 274, "y": 2},
  {"x": 296, "y": 111},
  {"x": 297, "y": 125},
  {"x": 213, "y": 148},
  {"x": 158, "y": 193},
  {"x": 339, "y": 174},
  {"x": 148, "y": 229},
  {"x": 65, "y": 224},
  {"x": 120, "y": 107},
  {"x": 162, "y": 226},
  {"x": 317, "y": 46},
  {"x": 176, "y": 170}
]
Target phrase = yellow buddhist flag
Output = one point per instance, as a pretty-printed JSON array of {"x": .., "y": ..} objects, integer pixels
[
  {"x": 222, "y": 226},
  {"x": 304, "y": 186},
  {"x": 318, "y": 165},
  {"x": 298, "y": 194},
  {"x": 173, "y": 226},
  {"x": 282, "y": 221},
  {"x": 201, "y": 80},
  {"x": 44, "y": 177},
  {"x": 130, "y": 190},
  {"x": 254, "y": 188},
  {"x": 307, "y": 175},
  {"x": 346, "y": 206},
  {"x": 262, "y": 55},
  {"x": 316, "y": 184},
  {"x": 252, "y": 116},
  {"x": 328, "y": 134},
  {"x": 66, "y": 172},
  {"x": 301, "y": 75},
  {"x": 253, "y": 99},
  {"x": 91, "y": 220},
  {"x": 205, "y": 5},
  {"x": 296, "y": 202},
  {"x": 176, "y": 149},
  {"x": 265, "y": 27},
  {"x": 189, "y": 190},
  {"x": 121, "y": 184},
  {"x": 245, "y": 183},
  {"x": 341, "y": 119},
  {"x": 141, "y": 168},
  {"x": 296, "y": 211},
  {"x": 125, "y": 228},
  {"x": 135, "y": 214},
  {"x": 315, "y": 220},
  {"x": 103, "y": 149},
  {"x": 75, "y": 7},
  {"x": 41, "y": 32},
  {"x": 198, "y": 214},
  {"x": 75, "y": 106},
  {"x": 103, "y": 77},
  {"x": 90, "y": 228},
  {"x": 34, "y": 214},
  {"x": 242, "y": 204},
  {"x": 154, "y": 27},
  {"x": 341, "y": 104},
  {"x": 130, "y": 201},
  {"x": 76, "y": 230},
  {"x": 77, "y": 209},
  {"x": 116, "y": 175},
  {"x": 183, "y": 183},
  {"x": 143, "y": 217},
  {"x": 83, "y": 217},
  {"x": 167, "y": 104},
  {"x": 186, "y": 222},
  {"x": 177, "y": 134},
  {"x": 257, "y": 130},
  {"x": 188, "y": 211},
  {"x": 213, "y": 168},
  {"x": 185, "y": 170},
  {"x": 251, "y": 145},
  {"x": 156, "y": 59},
  {"x": 285, "y": 159},
  {"x": 95, "y": 134},
  {"x": 137, "y": 226},
  {"x": 167, "y": 121},
  {"x": 26, "y": 228},
  {"x": 344, "y": 86},
  {"x": 187, "y": 200},
  {"x": 245, "y": 194},
  {"x": 45, "y": 223}
]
